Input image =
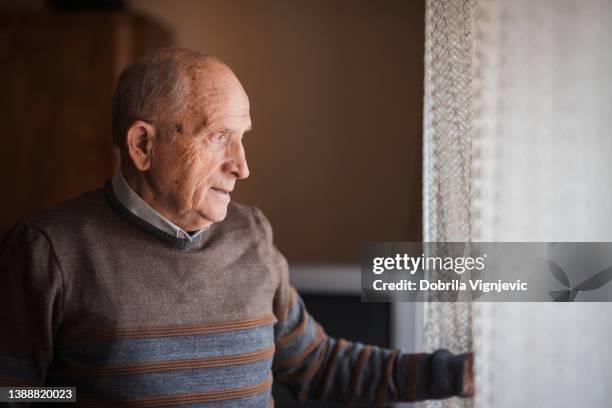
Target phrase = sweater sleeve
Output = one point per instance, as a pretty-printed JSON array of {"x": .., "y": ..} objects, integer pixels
[
  {"x": 316, "y": 366},
  {"x": 313, "y": 365},
  {"x": 30, "y": 306}
]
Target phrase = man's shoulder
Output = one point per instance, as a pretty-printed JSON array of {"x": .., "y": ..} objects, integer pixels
[{"x": 72, "y": 213}]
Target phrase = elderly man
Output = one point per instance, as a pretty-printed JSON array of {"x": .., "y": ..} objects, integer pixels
[{"x": 156, "y": 290}]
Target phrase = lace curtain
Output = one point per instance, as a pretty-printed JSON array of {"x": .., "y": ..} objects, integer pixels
[
  {"x": 447, "y": 177},
  {"x": 518, "y": 148}
]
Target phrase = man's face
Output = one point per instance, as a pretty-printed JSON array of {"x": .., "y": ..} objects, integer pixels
[{"x": 193, "y": 173}]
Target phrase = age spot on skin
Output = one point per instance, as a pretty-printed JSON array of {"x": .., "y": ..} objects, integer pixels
[{"x": 179, "y": 128}]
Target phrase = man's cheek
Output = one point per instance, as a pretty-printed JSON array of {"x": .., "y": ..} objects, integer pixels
[
  {"x": 190, "y": 151},
  {"x": 200, "y": 196}
]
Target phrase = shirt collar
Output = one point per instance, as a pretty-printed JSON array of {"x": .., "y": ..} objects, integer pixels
[{"x": 139, "y": 207}]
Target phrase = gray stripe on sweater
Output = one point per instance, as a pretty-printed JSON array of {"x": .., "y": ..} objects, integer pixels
[
  {"x": 148, "y": 350},
  {"x": 172, "y": 382}
]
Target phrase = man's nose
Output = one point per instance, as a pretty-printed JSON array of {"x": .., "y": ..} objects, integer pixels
[{"x": 236, "y": 163}]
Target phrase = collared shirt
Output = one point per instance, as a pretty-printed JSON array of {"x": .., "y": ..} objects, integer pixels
[{"x": 141, "y": 209}]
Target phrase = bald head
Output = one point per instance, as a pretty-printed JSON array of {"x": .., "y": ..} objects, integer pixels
[{"x": 166, "y": 87}]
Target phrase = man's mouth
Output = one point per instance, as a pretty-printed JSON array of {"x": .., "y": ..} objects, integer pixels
[{"x": 221, "y": 190}]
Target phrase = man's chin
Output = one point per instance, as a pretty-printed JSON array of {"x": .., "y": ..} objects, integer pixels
[{"x": 217, "y": 214}]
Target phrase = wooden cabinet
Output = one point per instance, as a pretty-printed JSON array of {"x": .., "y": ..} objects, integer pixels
[{"x": 58, "y": 76}]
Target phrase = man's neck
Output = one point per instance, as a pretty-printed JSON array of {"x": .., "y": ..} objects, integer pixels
[{"x": 136, "y": 195}]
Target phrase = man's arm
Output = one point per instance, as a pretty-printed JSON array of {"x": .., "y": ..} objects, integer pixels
[
  {"x": 30, "y": 306},
  {"x": 315, "y": 366}
]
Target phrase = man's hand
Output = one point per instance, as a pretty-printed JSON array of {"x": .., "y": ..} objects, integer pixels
[{"x": 468, "y": 377}]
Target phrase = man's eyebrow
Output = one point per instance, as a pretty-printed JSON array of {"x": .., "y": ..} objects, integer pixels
[{"x": 232, "y": 131}]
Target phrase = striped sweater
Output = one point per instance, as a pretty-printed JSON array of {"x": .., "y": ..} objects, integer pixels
[{"x": 93, "y": 297}]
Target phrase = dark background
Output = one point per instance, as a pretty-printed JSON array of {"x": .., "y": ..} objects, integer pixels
[
  {"x": 335, "y": 89},
  {"x": 336, "y": 98}
]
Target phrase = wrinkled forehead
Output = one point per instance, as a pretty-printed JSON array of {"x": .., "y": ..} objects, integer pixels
[
  {"x": 215, "y": 82},
  {"x": 215, "y": 94}
]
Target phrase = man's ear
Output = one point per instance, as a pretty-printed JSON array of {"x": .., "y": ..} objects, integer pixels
[{"x": 140, "y": 140}]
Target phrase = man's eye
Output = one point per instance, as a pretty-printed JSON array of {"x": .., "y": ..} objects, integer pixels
[{"x": 219, "y": 138}]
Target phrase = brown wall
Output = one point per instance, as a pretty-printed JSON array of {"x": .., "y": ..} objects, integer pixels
[{"x": 336, "y": 95}]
